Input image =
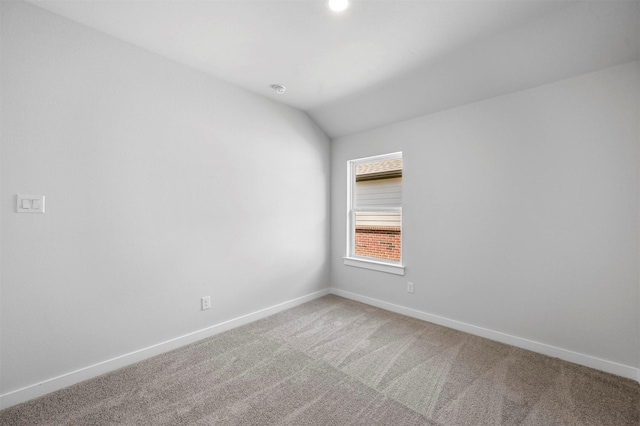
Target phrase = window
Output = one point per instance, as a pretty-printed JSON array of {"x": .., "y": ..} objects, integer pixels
[{"x": 374, "y": 216}]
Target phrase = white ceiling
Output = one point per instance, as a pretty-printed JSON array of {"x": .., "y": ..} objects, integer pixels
[{"x": 335, "y": 65}]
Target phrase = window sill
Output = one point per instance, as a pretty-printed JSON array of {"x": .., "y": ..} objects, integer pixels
[{"x": 390, "y": 268}]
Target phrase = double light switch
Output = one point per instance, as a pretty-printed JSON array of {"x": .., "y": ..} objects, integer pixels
[{"x": 30, "y": 203}]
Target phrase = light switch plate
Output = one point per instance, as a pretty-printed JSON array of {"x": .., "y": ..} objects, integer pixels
[{"x": 30, "y": 203}]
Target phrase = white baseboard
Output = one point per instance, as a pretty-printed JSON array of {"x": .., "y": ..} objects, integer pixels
[
  {"x": 38, "y": 389},
  {"x": 552, "y": 351}
]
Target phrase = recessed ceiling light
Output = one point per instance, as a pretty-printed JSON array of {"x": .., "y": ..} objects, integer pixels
[
  {"x": 279, "y": 88},
  {"x": 338, "y": 5}
]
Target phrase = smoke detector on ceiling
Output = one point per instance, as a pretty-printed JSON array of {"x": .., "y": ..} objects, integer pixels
[{"x": 279, "y": 89}]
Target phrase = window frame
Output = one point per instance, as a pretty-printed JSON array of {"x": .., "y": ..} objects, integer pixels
[{"x": 351, "y": 259}]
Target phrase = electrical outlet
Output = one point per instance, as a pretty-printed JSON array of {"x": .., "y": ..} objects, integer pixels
[
  {"x": 206, "y": 302},
  {"x": 409, "y": 287}
]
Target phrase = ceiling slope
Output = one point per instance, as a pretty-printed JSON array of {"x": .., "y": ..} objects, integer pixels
[
  {"x": 318, "y": 54},
  {"x": 582, "y": 38},
  {"x": 380, "y": 62}
]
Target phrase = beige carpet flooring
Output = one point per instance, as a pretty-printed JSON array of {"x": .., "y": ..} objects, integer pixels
[{"x": 333, "y": 361}]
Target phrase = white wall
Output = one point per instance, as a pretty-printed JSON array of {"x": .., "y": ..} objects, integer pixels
[
  {"x": 520, "y": 215},
  {"x": 162, "y": 185}
]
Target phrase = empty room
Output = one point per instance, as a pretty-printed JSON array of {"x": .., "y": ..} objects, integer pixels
[{"x": 313, "y": 212}]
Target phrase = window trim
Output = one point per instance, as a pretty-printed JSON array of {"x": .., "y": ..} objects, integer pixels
[
  {"x": 351, "y": 259},
  {"x": 374, "y": 265}
]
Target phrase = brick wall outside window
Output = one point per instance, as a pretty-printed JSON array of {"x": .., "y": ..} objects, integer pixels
[{"x": 379, "y": 242}]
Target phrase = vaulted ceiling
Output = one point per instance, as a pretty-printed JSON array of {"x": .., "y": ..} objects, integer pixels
[{"x": 379, "y": 62}]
